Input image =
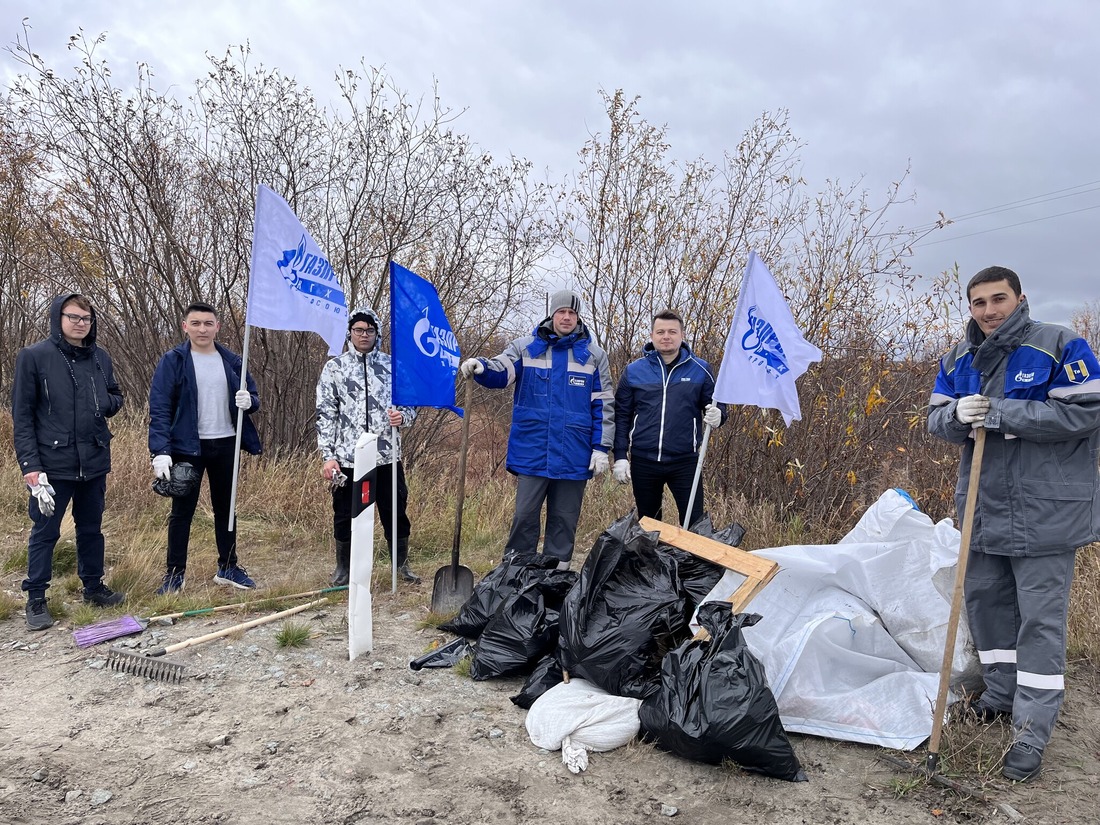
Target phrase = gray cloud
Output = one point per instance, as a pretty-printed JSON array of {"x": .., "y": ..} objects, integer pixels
[{"x": 988, "y": 104}]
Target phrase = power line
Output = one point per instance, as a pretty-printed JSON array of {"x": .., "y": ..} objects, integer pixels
[
  {"x": 1034, "y": 200},
  {"x": 1008, "y": 226}
]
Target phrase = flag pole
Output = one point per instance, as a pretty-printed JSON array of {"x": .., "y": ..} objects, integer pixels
[
  {"x": 393, "y": 506},
  {"x": 698, "y": 474},
  {"x": 240, "y": 427}
]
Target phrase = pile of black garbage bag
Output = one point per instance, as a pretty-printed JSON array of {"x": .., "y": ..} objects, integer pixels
[{"x": 622, "y": 624}]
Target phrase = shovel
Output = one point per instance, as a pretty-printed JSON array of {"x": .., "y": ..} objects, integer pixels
[{"x": 454, "y": 584}]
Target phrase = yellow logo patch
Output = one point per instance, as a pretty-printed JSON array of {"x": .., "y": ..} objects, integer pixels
[{"x": 1078, "y": 372}]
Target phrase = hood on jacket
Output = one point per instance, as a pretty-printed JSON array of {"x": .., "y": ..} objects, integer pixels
[
  {"x": 55, "y": 320},
  {"x": 364, "y": 313}
]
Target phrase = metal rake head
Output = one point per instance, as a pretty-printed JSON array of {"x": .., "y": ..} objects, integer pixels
[{"x": 140, "y": 664}]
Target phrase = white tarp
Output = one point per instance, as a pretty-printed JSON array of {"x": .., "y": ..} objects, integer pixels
[{"x": 852, "y": 634}]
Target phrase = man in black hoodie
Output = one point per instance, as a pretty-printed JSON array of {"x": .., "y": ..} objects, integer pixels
[{"x": 64, "y": 392}]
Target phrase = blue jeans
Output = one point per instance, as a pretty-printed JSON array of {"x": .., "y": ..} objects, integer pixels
[{"x": 88, "y": 500}]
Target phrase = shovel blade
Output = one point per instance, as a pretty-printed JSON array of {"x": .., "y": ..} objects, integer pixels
[{"x": 454, "y": 584}]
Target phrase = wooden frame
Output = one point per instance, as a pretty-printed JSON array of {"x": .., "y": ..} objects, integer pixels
[{"x": 757, "y": 571}]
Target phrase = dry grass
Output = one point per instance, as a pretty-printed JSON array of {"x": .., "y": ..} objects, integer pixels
[{"x": 284, "y": 530}]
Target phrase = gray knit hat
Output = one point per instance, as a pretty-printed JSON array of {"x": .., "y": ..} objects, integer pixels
[{"x": 564, "y": 299}]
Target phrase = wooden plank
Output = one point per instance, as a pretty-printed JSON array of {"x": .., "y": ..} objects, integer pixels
[
  {"x": 732, "y": 558},
  {"x": 756, "y": 570}
]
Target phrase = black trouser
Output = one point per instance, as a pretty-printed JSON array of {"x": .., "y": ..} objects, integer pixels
[
  {"x": 87, "y": 498},
  {"x": 563, "y": 497},
  {"x": 217, "y": 462},
  {"x": 383, "y": 497},
  {"x": 648, "y": 479}
]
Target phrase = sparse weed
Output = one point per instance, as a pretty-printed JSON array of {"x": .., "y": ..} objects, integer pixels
[
  {"x": 900, "y": 787},
  {"x": 10, "y": 605},
  {"x": 463, "y": 667},
  {"x": 293, "y": 634}
]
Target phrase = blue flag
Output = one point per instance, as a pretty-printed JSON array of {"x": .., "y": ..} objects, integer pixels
[{"x": 423, "y": 347}]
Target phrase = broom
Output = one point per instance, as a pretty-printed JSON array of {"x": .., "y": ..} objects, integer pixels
[
  {"x": 93, "y": 634},
  {"x": 148, "y": 664}
]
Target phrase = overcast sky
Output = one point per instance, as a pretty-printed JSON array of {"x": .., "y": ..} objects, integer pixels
[{"x": 993, "y": 106}]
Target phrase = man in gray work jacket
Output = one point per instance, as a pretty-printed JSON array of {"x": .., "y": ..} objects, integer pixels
[{"x": 1035, "y": 388}]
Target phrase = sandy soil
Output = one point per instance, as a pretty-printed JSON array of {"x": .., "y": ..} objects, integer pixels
[{"x": 258, "y": 734}]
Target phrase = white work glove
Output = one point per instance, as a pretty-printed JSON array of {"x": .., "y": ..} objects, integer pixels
[
  {"x": 472, "y": 366},
  {"x": 598, "y": 464},
  {"x": 712, "y": 416},
  {"x": 162, "y": 466},
  {"x": 971, "y": 410},
  {"x": 621, "y": 471},
  {"x": 243, "y": 400},
  {"x": 44, "y": 492}
]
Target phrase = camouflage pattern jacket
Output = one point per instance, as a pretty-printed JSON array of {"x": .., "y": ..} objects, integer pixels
[{"x": 353, "y": 396}]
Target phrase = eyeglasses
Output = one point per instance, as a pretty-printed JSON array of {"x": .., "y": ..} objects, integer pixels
[
  {"x": 364, "y": 331},
  {"x": 77, "y": 319}
]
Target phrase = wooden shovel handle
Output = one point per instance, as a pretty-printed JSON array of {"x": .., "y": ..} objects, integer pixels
[
  {"x": 460, "y": 497},
  {"x": 237, "y": 628},
  {"x": 202, "y": 611},
  {"x": 957, "y": 597}
]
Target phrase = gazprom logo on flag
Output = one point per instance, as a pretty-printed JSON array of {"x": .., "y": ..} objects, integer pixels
[
  {"x": 312, "y": 276},
  {"x": 436, "y": 341},
  {"x": 763, "y": 345}
]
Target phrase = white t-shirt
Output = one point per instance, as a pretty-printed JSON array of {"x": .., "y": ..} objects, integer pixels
[{"x": 213, "y": 392}]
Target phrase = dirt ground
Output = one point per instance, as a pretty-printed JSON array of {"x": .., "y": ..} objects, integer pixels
[{"x": 256, "y": 733}]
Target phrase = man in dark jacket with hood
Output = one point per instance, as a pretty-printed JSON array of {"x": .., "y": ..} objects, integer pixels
[
  {"x": 1035, "y": 390},
  {"x": 662, "y": 402},
  {"x": 562, "y": 423},
  {"x": 193, "y": 405},
  {"x": 64, "y": 392}
]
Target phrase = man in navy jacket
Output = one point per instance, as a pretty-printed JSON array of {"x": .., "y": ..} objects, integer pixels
[
  {"x": 193, "y": 405},
  {"x": 64, "y": 392},
  {"x": 662, "y": 402}
]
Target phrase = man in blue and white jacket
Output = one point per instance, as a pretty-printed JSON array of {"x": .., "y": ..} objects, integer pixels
[
  {"x": 562, "y": 423},
  {"x": 1035, "y": 389},
  {"x": 662, "y": 402},
  {"x": 354, "y": 396}
]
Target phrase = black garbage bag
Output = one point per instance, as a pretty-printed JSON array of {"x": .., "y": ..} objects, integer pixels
[
  {"x": 523, "y": 629},
  {"x": 447, "y": 655},
  {"x": 714, "y": 702},
  {"x": 182, "y": 481},
  {"x": 546, "y": 674},
  {"x": 626, "y": 611},
  {"x": 514, "y": 571},
  {"x": 697, "y": 575}
]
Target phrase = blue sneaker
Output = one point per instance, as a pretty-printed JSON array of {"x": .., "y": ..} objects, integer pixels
[
  {"x": 236, "y": 576},
  {"x": 173, "y": 583}
]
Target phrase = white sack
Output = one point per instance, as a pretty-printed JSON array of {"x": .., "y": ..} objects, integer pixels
[{"x": 577, "y": 717}]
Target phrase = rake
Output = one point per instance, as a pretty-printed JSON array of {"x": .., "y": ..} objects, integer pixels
[
  {"x": 93, "y": 634},
  {"x": 147, "y": 663}
]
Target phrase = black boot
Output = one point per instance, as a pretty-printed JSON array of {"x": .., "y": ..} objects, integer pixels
[
  {"x": 343, "y": 563},
  {"x": 403, "y": 571}
]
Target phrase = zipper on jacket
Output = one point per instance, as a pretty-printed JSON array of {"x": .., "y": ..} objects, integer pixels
[
  {"x": 46, "y": 389},
  {"x": 664, "y": 399}
]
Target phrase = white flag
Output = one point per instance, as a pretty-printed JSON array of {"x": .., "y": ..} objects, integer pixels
[
  {"x": 291, "y": 285},
  {"x": 765, "y": 351}
]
